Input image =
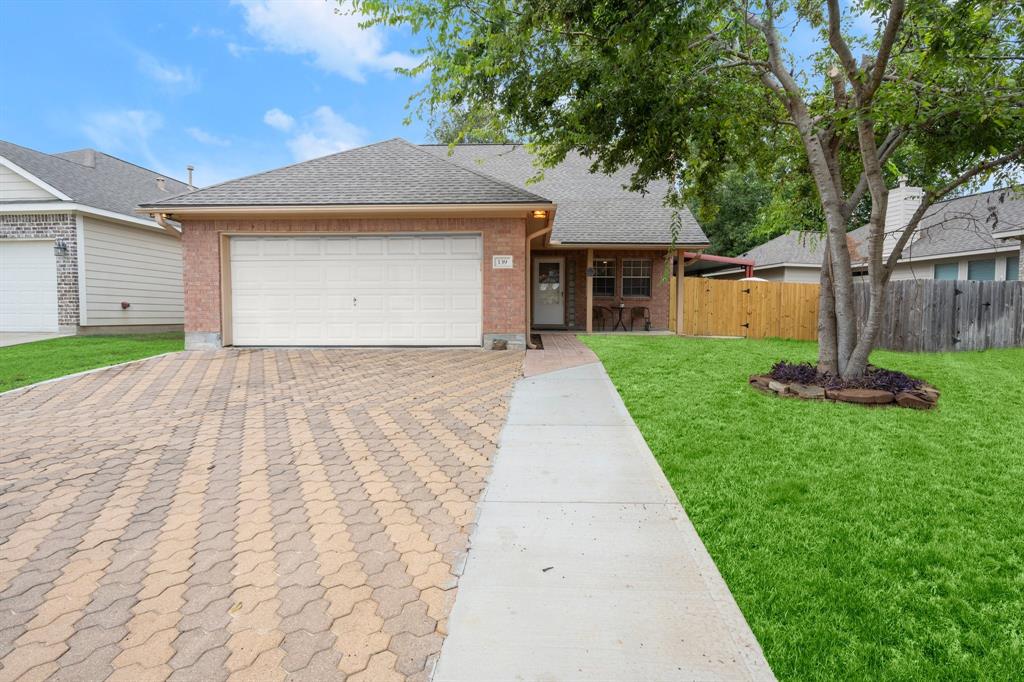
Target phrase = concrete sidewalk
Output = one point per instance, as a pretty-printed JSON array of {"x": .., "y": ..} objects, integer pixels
[{"x": 583, "y": 565}]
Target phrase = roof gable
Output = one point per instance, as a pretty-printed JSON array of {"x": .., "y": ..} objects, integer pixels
[
  {"x": 107, "y": 183},
  {"x": 393, "y": 172}
]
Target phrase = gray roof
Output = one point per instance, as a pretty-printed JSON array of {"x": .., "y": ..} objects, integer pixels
[
  {"x": 93, "y": 178},
  {"x": 803, "y": 248},
  {"x": 593, "y": 208},
  {"x": 386, "y": 173},
  {"x": 964, "y": 224}
]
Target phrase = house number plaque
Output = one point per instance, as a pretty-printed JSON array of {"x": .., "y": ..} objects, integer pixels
[{"x": 501, "y": 262}]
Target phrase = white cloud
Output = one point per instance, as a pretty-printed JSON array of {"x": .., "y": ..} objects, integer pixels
[
  {"x": 319, "y": 133},
  {"x": 275, "y": 118},
  {"x": 124, "y": 132},
  {"x": 171, "y": 76},
  {"x": 237, "y": 50},
  {"x": 206, "y": 32},
  {"x": 335, "y": 40},
  {"x": 201, "y": 135}
]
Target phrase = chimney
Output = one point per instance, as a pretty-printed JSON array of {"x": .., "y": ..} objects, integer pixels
[
  {"x": 903, "y": 201},
  {"x": 89, "y": 158},
  {"x": 161, "y": 184},
  {"x": 190, "y": 168}
]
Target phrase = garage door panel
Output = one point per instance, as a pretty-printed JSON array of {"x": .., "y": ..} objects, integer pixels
[
  {"x": 357, "y": 290},
  {"x": 28, "y": 286}
]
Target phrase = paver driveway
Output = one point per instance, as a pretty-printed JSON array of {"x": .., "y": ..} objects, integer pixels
[{"x": 255, "y": 514}]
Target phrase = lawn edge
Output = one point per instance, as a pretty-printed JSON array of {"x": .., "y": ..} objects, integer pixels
[{"x": 86, "y": 371}]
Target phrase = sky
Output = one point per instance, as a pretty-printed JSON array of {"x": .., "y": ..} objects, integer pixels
[{"x": 231, "y": 87}]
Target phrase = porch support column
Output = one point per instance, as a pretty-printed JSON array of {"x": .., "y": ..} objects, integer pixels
[
  {"x": 680, "y": 278},
  {"x": 590, "y": 291}
]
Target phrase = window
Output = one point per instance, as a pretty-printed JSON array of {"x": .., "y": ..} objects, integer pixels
[
  {"x": 1012, "y": 268},
  {"x": 636, "y": 277},
  {"x": 947, "y": 270},
  {"x": 604, "y": 277},
  {"x": 981, "y": 270}
]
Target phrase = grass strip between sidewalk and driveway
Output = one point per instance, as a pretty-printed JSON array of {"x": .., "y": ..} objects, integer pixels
[
  {"x": 28, "y": 363},
  {"x": 860, "y": 543}
]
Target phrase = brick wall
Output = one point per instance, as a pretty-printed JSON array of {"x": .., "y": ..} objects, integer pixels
[
  {"x": 504, "y": 304},
  {"x": 52, "y": 226},
  {"x": 657, "y": 303}
]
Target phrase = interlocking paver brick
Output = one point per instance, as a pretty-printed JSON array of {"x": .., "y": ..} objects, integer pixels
[{"x": 243, "y": 514}]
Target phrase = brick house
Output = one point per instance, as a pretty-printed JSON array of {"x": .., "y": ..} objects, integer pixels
[
  {"x": 74, "y": 255},
  {"x": 402, "y": 244}
]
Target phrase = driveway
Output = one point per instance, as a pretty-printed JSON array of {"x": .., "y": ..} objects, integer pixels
[{"x": 254, "y": 515}]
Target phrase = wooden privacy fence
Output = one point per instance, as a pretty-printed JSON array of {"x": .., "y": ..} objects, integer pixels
[{"x": 921, "y": 315}]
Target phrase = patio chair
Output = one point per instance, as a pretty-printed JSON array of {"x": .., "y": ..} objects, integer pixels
[
  {"x": 601, "y": 316},
  {"x": 642, "y": 313}
]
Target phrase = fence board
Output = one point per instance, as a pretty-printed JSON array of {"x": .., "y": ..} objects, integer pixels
[{"x": 920, "y": 315}]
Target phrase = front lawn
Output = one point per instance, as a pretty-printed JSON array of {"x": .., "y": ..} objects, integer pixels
[
  {"x": 28, "y": 363},
  {"x": 870, "y": 544}
]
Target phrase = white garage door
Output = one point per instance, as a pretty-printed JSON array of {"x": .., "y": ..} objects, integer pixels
[
  {"x": 28, "y": 286},
  {"x": 403, "y": 290}
]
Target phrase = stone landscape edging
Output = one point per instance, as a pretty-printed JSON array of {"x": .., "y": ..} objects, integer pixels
[{"x": 924, "y": 398}]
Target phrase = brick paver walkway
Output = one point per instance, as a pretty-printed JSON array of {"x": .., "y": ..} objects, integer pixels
[{"x": 254, "y": 515}]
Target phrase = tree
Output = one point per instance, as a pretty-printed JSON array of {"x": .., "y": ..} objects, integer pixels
[
  {"x": 686, "y": 89},
  {"x": 732, "y": 217},
  {"x": 461, "y": 125}
]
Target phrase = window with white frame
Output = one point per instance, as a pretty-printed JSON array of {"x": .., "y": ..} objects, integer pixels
[
  {"x": 1012, "y": 268},
  {"x": 947, "y": 270},
  {"x": 636, "y": 277},
  {"x": 604, "y": 277}
]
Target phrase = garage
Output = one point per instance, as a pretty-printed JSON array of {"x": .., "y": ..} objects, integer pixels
[
  {"x": 356, "y": 290},
  {"x": 28, "y": 286}
]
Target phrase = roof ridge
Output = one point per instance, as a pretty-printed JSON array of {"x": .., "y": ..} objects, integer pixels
[
  {"x": 115, "y": 158},
  {"x": 507, "y": 185},
  {"x": 271, "y": 170}
]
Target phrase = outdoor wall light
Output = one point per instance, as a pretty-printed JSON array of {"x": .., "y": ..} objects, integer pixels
[
  {"x": 540, "y": 214},
  {"x": 60, "y": 248}
]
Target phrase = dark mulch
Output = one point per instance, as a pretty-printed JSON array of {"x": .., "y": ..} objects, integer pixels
[{"x": 876, "y": 378}]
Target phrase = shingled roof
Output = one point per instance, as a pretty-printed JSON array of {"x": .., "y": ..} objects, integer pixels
[
  {"x": 593, "y": 208},
  {"x": 93, "y": 178},
  {"x": 393, "y": 172}
]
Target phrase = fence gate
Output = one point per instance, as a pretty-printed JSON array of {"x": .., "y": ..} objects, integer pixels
[{"x": 757, "y": 310}]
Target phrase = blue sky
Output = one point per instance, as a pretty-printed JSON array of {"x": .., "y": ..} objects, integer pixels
[{"x": 230, "y": 87}]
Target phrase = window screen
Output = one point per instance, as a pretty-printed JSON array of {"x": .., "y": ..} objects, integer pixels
[
  {"x": 636, "y": 277},
  {"x": 947, "y": 270},
  {"x": 1012, "y": 268},
  {"x": 604, "y": 277},
  {"x": 981, "y": 270}
]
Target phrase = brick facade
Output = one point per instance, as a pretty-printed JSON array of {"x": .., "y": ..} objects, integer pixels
[
  {"x": 504, "y": 301},
  {"x": 576, "y": 288},
  {"x": 52, "y": 226}
]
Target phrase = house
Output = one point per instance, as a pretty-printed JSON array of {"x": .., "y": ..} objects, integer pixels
[
  {"x": 401, "y": 244},
  {"x": 75, "y": 257},
  {"x": 974, "y": 237}
]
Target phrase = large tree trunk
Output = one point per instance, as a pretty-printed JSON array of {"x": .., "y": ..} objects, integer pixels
[{"x": 828, "y": 353}]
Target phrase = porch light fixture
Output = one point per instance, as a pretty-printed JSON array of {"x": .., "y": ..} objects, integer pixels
[
  {"x": 540, "y": 214},
  {"x": 60, "y": 248}
]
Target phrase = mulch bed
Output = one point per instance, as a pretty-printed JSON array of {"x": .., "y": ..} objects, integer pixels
[{"x": 877, "y": 387}]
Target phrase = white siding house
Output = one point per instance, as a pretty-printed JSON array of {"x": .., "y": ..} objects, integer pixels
[{"x": 74, "y": 255}]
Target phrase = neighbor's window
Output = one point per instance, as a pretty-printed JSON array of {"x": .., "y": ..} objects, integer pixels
[
  {"x": 1012, "y": 268},
  {"x": 981, "y": 270},
  {"x": 636, "y": 277},
  {"x": 604, "y": 277},
  {"x": 947, "y": 270}
]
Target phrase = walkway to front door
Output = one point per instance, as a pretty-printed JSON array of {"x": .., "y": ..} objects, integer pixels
[{"x": 583, "y": 565}]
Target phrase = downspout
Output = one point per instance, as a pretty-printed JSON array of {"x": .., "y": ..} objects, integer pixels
[
  {"x": 161, "y": 220},
  {"x": 529, "y": 282}
]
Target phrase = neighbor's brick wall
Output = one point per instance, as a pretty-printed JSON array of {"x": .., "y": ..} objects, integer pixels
[
  {"x": 504, "y": 305},
  {"x": 52, "y": 226},
  {"x": 658, "y": 302}
]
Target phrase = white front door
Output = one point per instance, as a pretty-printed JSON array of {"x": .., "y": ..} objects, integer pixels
[
  {"x": 28, "y": 286},
  {"x": 348, "y": 290},
  {"x": 548, "y": 291}
]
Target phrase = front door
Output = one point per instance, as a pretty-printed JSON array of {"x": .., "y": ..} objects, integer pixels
[{"x": 549, "y": 291}]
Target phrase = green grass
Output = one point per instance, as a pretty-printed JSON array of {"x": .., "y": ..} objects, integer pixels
[
  {"x": 868, "y": 544},
  {"x": 28, "y": 363}
]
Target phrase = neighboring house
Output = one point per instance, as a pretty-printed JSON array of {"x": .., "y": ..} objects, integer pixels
[
  {"x": 400, "y": 244},
  {"x": 966, "y": 238},
  {"x": 75, "y": 257}
]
